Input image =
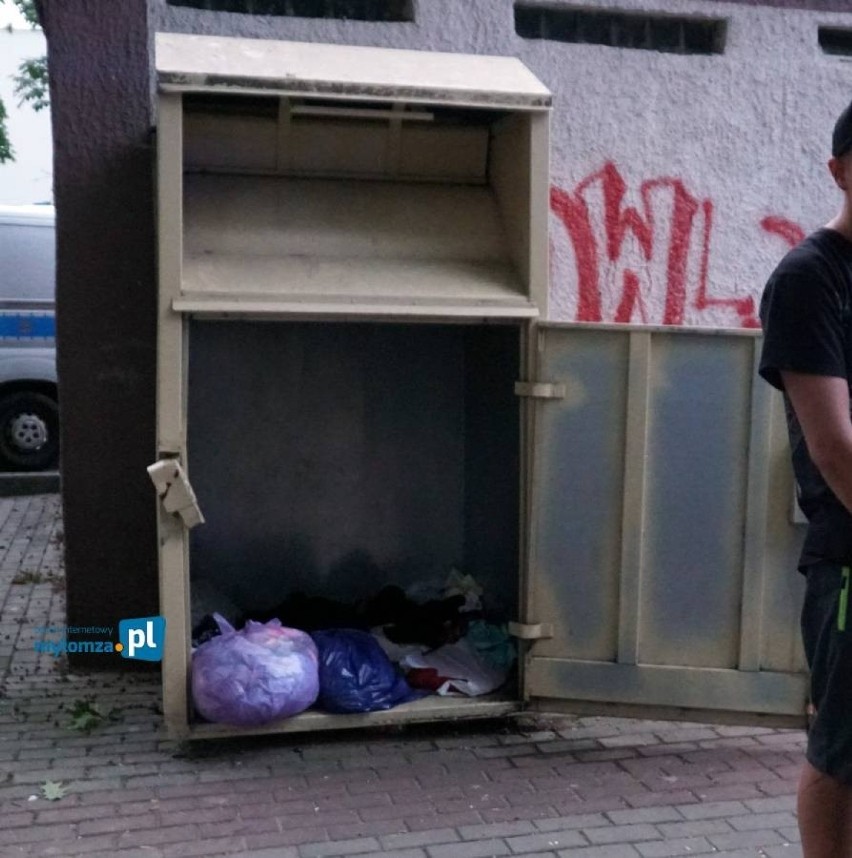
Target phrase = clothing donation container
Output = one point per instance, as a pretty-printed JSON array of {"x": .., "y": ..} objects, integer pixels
[{"x": 357, "y": 387}]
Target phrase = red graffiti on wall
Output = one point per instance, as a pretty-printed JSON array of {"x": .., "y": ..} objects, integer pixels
[
  {"x": 624, "y": 255},
  {"x": 791, "y": 232}
]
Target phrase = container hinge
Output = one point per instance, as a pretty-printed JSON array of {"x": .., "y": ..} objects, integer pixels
[
  {"x": 175, "y": 492},
  {"x": 531, "y": 631},
  {"x": 540, "y": 389}
]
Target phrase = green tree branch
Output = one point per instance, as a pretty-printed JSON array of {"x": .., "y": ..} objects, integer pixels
[
  {"x": 28, "y": 9},
  {"x": 31, "y": 84}
]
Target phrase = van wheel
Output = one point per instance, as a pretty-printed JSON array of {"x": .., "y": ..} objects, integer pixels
[{"x": 29, "y": 432}]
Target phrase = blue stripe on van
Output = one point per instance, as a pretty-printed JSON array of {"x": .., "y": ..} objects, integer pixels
[{"x": 27, "y": 326}]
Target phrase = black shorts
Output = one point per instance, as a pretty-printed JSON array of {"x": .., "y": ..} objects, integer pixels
[{"x": 827, "y": 635}]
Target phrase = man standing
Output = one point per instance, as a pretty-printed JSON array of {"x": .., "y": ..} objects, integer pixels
[{"x": 806, "y": 313}]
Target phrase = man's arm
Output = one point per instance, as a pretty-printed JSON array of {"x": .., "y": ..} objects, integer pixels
[{"x": 821, "y": 404}]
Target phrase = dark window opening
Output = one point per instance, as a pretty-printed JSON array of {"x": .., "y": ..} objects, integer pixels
[
  {"x": 836, "y": 41},
  {"x": 355, "y": 10},
  {"x": 666, "y": 33},
  {"x": 258, "y": 106}
]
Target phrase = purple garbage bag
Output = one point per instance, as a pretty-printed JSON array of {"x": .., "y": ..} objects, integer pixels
[{"x": 258, "y": 674}]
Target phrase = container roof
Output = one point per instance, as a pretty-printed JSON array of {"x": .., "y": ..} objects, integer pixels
[{"x": 195, "y": 63}]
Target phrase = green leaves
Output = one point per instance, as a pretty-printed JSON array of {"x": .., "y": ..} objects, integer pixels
[
  {"x": 28, "y": 9},
  {"x": 31, "y": 83},
  {"x": 86, "y": 715},
  {"x": 53, "y": 790},
  {"x": 6, "y": 151}
]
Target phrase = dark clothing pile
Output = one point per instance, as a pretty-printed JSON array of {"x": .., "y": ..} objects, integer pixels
[{"x": 403, "y": 621}]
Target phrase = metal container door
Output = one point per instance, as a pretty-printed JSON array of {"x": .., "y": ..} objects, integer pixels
[{"x": 661, "y": 554}]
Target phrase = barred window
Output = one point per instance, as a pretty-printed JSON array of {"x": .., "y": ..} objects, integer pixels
[
  {"x": 834, "y": 40},
  {"x": 355, "y": 10},
  {"x": 666, "y": 33}
]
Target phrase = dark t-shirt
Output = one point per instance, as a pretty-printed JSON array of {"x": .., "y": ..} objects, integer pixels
[{"x": 806, "y": 313}]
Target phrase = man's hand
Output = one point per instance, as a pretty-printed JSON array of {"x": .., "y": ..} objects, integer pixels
[{"x": 821, "y": 404}]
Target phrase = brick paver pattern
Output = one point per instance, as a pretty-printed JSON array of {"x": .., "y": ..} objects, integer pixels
[{"x": 585, "y": 787}]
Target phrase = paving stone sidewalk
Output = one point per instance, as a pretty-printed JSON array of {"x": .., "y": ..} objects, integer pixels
[{"x": 571, "y": 787}]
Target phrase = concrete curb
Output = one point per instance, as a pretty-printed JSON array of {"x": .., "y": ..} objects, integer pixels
[{"x": 29, "y": 483}]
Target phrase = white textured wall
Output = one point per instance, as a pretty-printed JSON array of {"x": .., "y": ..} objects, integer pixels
[
  {"x": 29, "y": 178},
  {"x": 677, "y": 181}
]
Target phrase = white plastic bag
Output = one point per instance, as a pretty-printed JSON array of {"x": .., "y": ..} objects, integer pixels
[{"x": 465, "y": 670}]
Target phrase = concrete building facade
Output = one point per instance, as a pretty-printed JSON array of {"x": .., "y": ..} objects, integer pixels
[{"x": 689, "y": 147}]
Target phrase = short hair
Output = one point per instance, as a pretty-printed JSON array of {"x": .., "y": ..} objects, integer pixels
[{"x": 841, "y": 138}]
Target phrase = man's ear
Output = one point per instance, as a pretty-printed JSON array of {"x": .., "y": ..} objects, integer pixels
[{"x": 838, "y": 167}]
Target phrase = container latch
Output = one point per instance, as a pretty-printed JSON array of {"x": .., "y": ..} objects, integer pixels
[
  {"x": 175, "y": 492},
  {"x": 540, "y": 389},
  {"x": 531, "y": 631}
]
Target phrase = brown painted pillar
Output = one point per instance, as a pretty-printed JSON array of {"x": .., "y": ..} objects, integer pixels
[{"x": 105, "y": 305}]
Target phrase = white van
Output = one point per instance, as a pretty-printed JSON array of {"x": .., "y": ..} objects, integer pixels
[{"x": 29, "y": 405}]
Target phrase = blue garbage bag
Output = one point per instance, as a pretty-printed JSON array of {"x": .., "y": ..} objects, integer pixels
[
  {"x": 355, "y": 674},
  {"x": 256, "y": 675}
]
